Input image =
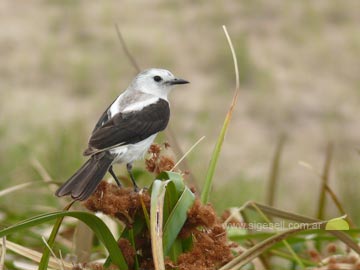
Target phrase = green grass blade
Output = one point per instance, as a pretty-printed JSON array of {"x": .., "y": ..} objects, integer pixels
[
  {"x": 96, "y": 224},
  {"x": 324, "y": 182},
  {"x": 177, "y": 219},
  {"x": 216, "y": 153},
  {"x": 43, "y": 265},
  {"x": 274, "y": 172},
  {"x": 290, "y": 257}
]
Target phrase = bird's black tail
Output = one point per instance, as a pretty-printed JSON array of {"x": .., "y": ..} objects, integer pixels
[{"x": 84, "y": 182}]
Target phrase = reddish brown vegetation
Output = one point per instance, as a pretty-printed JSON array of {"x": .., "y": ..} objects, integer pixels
[
  {"x": 210, "y": 248},
  {"x": 121, "y": 203},
  {"x": 158, "y": 162}
]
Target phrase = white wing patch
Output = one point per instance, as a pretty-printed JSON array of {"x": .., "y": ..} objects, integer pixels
[
  {"x": 137, "y": 106},
  {"x": 127, "y": 102}
]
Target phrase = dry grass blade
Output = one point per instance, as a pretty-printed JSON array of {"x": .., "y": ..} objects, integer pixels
[
  {"x": 45, "y": 176},
  {"x": 330, "y": 192},
  {"x": 3, "y": 254},
  {"x": 256, "y": 250},
  {"x": 339, "y": 206},
  {"x": 299, "y": 218},
  {"x": 41, "y": 170},
  {"x": 14, "y": 188},
  {"x": 34, "y": 255},
  {"x": 187, "y": 153},
  {"x": 156, "y": 223}
]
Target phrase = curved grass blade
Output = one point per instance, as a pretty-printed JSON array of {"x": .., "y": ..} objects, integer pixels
[
  {"x": 96, "y": 224},
  {"x": 215, "y": 156}
]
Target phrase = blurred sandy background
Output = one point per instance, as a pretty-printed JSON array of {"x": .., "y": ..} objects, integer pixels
[{"x": 62, "y": 64}]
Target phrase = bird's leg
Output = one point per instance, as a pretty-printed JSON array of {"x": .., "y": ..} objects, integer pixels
[
  {"x": 129, "y": 169},
  {"x": 114, "y": 176}
]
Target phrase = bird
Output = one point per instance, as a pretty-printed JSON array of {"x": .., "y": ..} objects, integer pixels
[{"x": 124, "y": 132}]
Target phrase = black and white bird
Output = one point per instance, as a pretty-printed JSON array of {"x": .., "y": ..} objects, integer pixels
[{"x": 125, "y": 131}]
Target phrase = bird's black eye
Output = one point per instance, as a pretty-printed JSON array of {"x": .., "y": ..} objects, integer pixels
[{"x": 157, "y": 78}]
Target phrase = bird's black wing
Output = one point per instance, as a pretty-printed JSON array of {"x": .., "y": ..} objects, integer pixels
[{"x": 130, "y": 127}]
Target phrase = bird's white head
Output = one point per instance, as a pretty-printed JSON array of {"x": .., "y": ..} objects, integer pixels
[{"x": 155, "y": 81}]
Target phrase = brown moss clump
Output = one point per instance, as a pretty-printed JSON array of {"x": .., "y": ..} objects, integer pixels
[
  {"x": 199, "y": 215},
  {"x": 121, "y": 203},
  {"x": 211, "y": 248}
]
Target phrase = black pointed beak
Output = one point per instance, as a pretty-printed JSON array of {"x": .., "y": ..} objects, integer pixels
[{"x": 177, "y": 81}]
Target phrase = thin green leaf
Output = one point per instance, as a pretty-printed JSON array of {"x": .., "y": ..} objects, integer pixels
[
  {"x": 95, "y": 223},
  {"x": 43, "y": 265},
  {"x": 324, "y": 182},
  {"x": 290, "y": 257},
  {"x": 274, "y": 171},
  {"x": 216, "y": 153},
  {"x": 177, "y": 218}
]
